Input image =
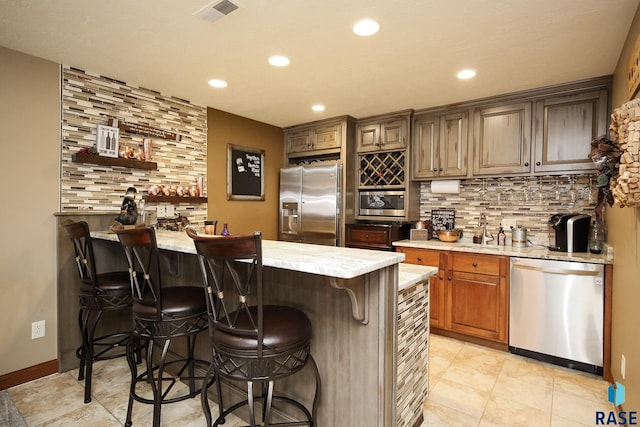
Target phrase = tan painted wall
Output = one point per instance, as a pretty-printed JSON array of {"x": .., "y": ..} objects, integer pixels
[
  {"x": 30, "y": 172},
  {"x": 624, "y": 232},
  {"x": 243, "y": 216}
]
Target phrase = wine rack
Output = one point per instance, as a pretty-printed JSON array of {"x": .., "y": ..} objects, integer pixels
[{"x": 382, "y": 169}]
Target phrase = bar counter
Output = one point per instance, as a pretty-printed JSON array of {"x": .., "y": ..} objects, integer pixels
[{"x": 371, "y": 352}]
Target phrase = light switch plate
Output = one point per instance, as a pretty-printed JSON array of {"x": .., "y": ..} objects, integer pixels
[{"x": 161, "y": 211}]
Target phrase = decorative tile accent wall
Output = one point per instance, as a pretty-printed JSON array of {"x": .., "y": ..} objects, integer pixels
[
  {"x": 89, "y": 100},
  {"x": 413, "y": 353},
  {"x": 534, "y": 215}
]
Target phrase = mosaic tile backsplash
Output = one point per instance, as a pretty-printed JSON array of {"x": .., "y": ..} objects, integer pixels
[
  {"x": 513, "y": 198},
  {"x": 89, "y": 100}
]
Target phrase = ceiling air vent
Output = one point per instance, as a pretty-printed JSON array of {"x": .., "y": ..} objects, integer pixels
[{"x": 215, "y": 10}]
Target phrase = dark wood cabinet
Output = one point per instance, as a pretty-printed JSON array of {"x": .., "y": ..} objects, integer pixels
[{"x": 375, "y": 236}]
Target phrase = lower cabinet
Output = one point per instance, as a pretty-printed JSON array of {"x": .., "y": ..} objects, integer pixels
[
  {"x": 375, "y": 236},
  {"x": 469, "y": 295}
]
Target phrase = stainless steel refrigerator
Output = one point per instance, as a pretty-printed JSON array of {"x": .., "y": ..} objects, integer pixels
[{"x": 309, "y": 204}]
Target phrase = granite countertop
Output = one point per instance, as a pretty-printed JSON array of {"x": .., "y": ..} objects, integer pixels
[
  {"x": 410, "y": 274},
  {"x": 343, "y": 263},
  {"x": 539, "y": 252}
]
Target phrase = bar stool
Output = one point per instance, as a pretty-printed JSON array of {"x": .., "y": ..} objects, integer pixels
[
  {"x": 251, "y": 341},
  {"x": 160, "y": 315},
  {"x": 98, "y": 293}
]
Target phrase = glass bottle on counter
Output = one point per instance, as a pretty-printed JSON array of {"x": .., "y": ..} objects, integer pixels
[
  {"x": 597, "y": 237},
  {"x": 225, "y": 230},
  {"x": 501, "y": 237}
]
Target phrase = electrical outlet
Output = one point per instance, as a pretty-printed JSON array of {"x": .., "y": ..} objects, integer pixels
[
  {"x": 170, "y": 211},
  {"x": 37, "y": 329},
  {"x": 623, "y": 363},
  {"x": 161, "y": 211}
]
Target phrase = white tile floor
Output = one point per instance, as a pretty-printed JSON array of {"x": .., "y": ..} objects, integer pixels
[{"x": 469, "y": 386}]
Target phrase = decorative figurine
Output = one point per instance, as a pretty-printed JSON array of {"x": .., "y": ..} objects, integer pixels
[{"x": 129, "y": 211}]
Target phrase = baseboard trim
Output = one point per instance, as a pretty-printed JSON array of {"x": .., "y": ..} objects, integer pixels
[{"x": 28, "y": 374}]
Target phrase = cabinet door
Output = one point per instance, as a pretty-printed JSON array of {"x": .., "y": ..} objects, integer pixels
[
  {"x": 299, "y": 141},
  {"x": 501, "y": 139},
  {"x": 424, "y": 150},
  {"x": 453, "y": 144},
  {"x": 437, "y": 283},
  {"x": 477, "y": 305},
  {"x": 394, "y": 135},
  {"x": 327, "y": 137},
  {"x": 565, "y": 127},
  {"x": 368, "y": 137}
]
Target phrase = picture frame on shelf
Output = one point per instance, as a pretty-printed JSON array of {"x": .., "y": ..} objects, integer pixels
[{"x": 107, "y": 140}]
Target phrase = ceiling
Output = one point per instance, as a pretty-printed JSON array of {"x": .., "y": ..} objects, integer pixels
[{"x": 410, "y": 63}]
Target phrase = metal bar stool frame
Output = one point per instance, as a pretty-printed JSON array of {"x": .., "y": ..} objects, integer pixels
[
  {"x": 157, "y": 322},
  {"x": 245, "y": 346},
  {"x": 98, "y": 293}
]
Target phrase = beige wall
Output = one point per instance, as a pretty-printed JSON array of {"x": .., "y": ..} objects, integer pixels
[
  {"x": 624, "y": 232},
  {"x": 243, "y": 216},
  {"x": 30, "y": 141}
]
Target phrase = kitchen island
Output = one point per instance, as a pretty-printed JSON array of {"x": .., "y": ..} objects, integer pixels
[{"x": 372, "y": 355}]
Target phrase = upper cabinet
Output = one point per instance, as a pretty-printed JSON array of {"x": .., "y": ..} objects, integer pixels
[
  {"x": 308, "y": 141},
  {"x": 534, "y": 132},
  {"x": 502, "y": 139},
  {"x": 389, "y": 132},
  {"x": 564, "y": 129},
  {"x": 439, "y": 146}
]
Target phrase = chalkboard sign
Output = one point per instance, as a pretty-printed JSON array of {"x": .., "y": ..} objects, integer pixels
[
  {"x": 245, "y": 173},
  {"x": 443, "y": 219}
]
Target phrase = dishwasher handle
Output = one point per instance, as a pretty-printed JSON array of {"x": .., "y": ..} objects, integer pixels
[{"x": 557, "y": 270}]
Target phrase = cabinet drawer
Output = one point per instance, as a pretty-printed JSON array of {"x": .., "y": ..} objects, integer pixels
[
  {"x": 421, "y": 256},
  {"x": 475, "y": 263},
  {"x": 368, "y": 236}
]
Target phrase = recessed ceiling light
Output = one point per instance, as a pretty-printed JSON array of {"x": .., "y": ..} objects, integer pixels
[
  {"x": 466, "y": 74},
  {"x": 279, "y": 61},
  {"x": 318, "y": 107},
  {"x": 366, "y": 27},
  {"x": 217, "y": 83}
]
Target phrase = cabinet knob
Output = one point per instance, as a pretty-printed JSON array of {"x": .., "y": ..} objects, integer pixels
[
  {"x": 475, "y": 264},
  {"x": 526, "y": 163},
  {"x": 441, "y": 169},
  {"x": 538, "y": 163},
  {"x": 440, "y": 277},
  {"x": 449, "y": 277},
  {"x": 435, "y": 169},
  {"x": 366, "y": 236},
  {"x": 420, "y": 259}
]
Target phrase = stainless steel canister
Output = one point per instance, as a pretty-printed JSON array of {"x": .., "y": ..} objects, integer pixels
[{"x": 519, "y": 237}]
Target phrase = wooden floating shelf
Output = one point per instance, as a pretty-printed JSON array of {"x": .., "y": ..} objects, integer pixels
[
  {"x": 113, "y": 161},
  {"x": 175, "y": 199}
]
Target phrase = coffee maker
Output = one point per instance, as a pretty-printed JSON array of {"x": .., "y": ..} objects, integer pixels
[{"x": 569, "y": 232}]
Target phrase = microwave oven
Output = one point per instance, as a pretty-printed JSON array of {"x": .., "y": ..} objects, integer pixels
[{"x": 382, "y": 203}]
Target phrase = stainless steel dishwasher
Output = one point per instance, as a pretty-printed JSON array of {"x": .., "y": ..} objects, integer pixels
[{"x": 556, "y": 312}]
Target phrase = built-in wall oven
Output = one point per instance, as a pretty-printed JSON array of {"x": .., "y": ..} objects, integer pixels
[{"x": 387, "y": 203}]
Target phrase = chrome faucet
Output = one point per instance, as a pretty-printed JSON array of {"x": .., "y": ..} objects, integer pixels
[{"x": 486, "y": 237}]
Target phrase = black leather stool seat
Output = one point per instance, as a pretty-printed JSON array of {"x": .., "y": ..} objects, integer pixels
[
  {"x": 179, "y": 301},
  {"x": 285, "y": 328},
  {"x": 115, "y": 282}
]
